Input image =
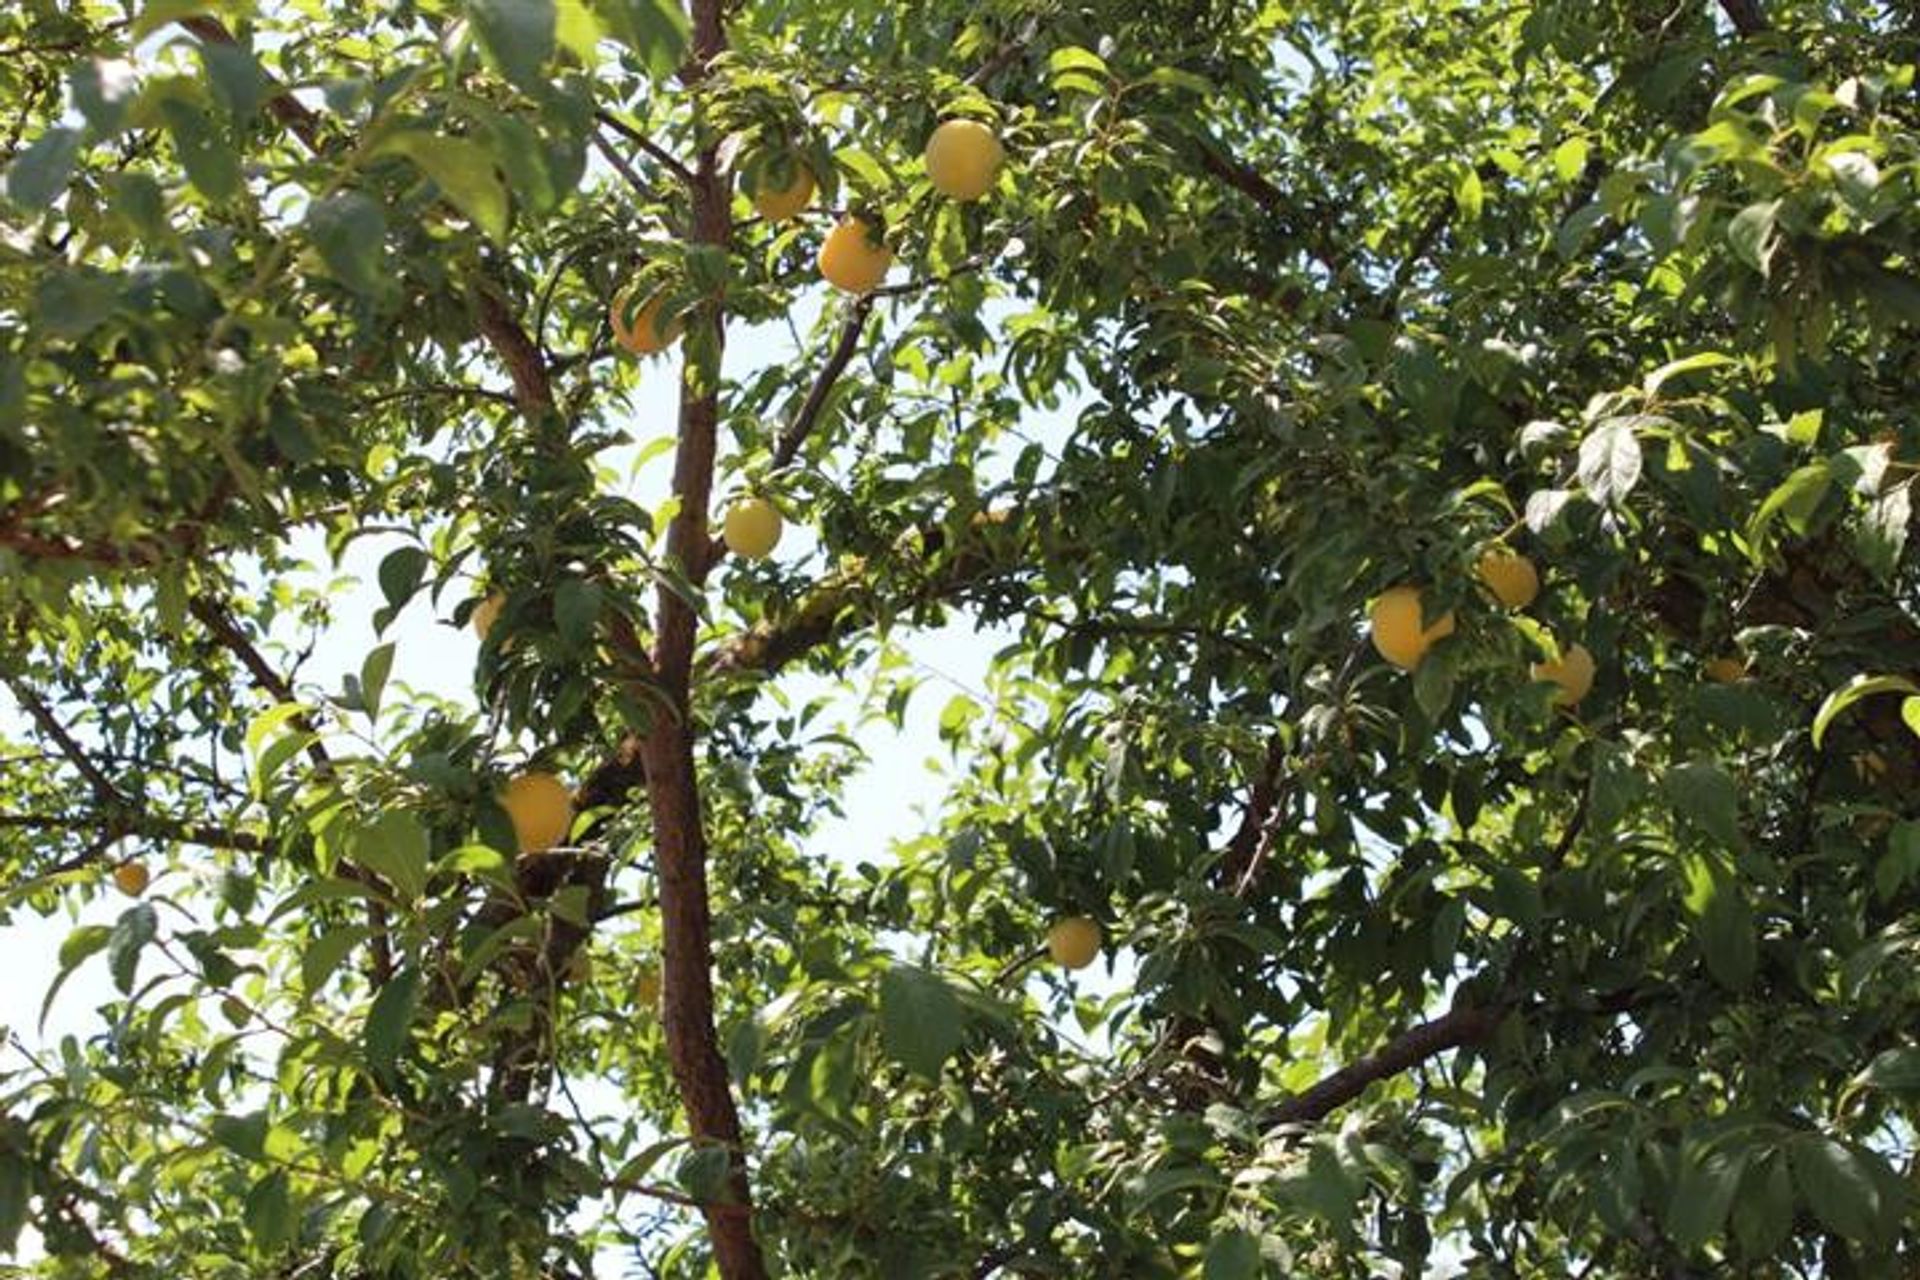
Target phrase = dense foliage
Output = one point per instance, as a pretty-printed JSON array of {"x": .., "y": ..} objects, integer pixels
[{"x": 1421, "y": 968}]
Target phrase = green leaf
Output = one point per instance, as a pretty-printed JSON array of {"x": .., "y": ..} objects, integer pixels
[
  {"x": 395, "y": 846},
  {"x": 104, "y": 90},
  {"x": 385, "y": 1033},
  {"x": 576, "y": 612},
  {"x": 1705, "y": 796},
  {"x": 655, "y": 30},
  {"x": 245, "y": 1135},
  {"x": 268, "y": 1211},
  {"x": 211, "y": 163},
  {"x": 349, "y": 231},
  {"x": 39, "y": 174},
  {"x": 464, "y": 172},
  {"x": 1610, "y": 461},
  {"x": 135, "y": 929},
  {"x": 702, "y": 1172},
  {"x": 156, "y": 14},
  {"x": 71, "y": 303},
  {"x": 1469, "y": 195},
  {"x": 921, "y": 1021},
  {"x": 518, "y": 37},
  {"x": 1727, "y": 935},
  {"x": 1232, "y": 1255},
  {"x": 323, "y": 956},
  {"x": 400, "y": 573},
  {"x": 16, "y": 1190},
  {"x": 1861, "y": 686},
  {"x": 1763, "y": 1210},
  {"x": 1702, "y": 1195},
  {"x": 1071, "y": 69},
  {"x": 1900, "y": 862},
  {"x": 1659, "y": 378},
  {"x": 1570, "y": 159},
  {"x": 84, "y": 941},
  {"x": 373, "y": 677},
  {"x": 238, "y": 83},
  {"x": 1894, "y": 1070},
  {"x": 1838, "y": 1186},
  {"x": 1797, "y": 498},
  {"x": 1753, "y": 235}
]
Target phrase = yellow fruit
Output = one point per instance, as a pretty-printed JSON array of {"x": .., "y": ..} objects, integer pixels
[
  {"x": 644, "y": 337},
  {"x": 1397, "y": 632},
  {"x": 963, "y": 159},
  {"x": 1510, "y": 576},
  {"x": 486, "y": 613},
  {"x": 541, "y": 808},
  {"x": 131, "y": 878},
  {"x": 777, "y": 204},
  {"x": 646, "y": 987},
  {"x": 1573, "y": 673},
  {"x": 1073, "y": 942},
  {"x": 853, "y": 259},
  {"x": 751, "y": 528},
  {"x": 1727, "y": 670}
]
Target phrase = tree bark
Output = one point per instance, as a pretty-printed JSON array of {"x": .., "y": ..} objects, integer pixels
[{"x": 667, "y": 753}]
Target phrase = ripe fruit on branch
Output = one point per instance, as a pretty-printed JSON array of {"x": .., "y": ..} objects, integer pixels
[
  {"x": 1729, "y": 669},
  {"x": 541, "y": 808},
  {"x": 131, "y": 878},
  {"x": 1510, "y": 576},
  {"x": 1397, "y": 627},
  {"x": 642, "y": 335},
  {"x": 854, "y": 259},
  {"x": 1572, "y": 671},
  {"x": 963, "y": 159},
  {"x": 486, "y": 613},
  {"x": 1073, "y": 942},
  {"x": 777, "y": 200},
  {"x": 751, "y": 528}
]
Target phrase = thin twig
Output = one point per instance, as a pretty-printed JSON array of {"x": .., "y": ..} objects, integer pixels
[{"x": 646, "y": 144}]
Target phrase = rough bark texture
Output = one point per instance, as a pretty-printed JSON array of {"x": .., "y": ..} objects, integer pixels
[{"x": 667, "y": 753}]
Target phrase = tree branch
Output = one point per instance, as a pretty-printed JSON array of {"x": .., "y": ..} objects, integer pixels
[
  {"x": 837, "y": 360},
  {"x": 1245, "y": 848},
  {"x": 215, "y": 618},
  {"x": 665, "y": 158},
  {"x": 103, "y": 787},
  {"x": 1746, "y": 16},
  {"x": 1455, "y": 1029},
  {"x": 150, "y": 826},
  {"x": 666, "y": 753},
  {"x": 1410, "y": 1048},
  {"x": 287, "y": 109},
  {"x": 532, "y": 386}
]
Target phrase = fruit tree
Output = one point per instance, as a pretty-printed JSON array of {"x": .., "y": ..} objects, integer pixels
[{"x": 1427, "y": 487}]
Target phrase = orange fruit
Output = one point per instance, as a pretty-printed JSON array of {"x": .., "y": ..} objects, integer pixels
[
  {"x": 1730, "y": 669},
  {"x": 131, "y": 878},
  {"x": 777, "y": 203},
  {"x": 1073, "y": 942},
  {"x": 1510, "y": 576},
  {"x": 963, "y": 159},
  {"x": 644, "y": 337},
  {"x": 486, "y": 613},
  {"x": 854, "y": 259},
  {"x": 541, "y": 808},
  {"x": 1572, "y": 671},
  {"x": 1396, "y": 621},
  {"x": 751, "y": 528}
]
